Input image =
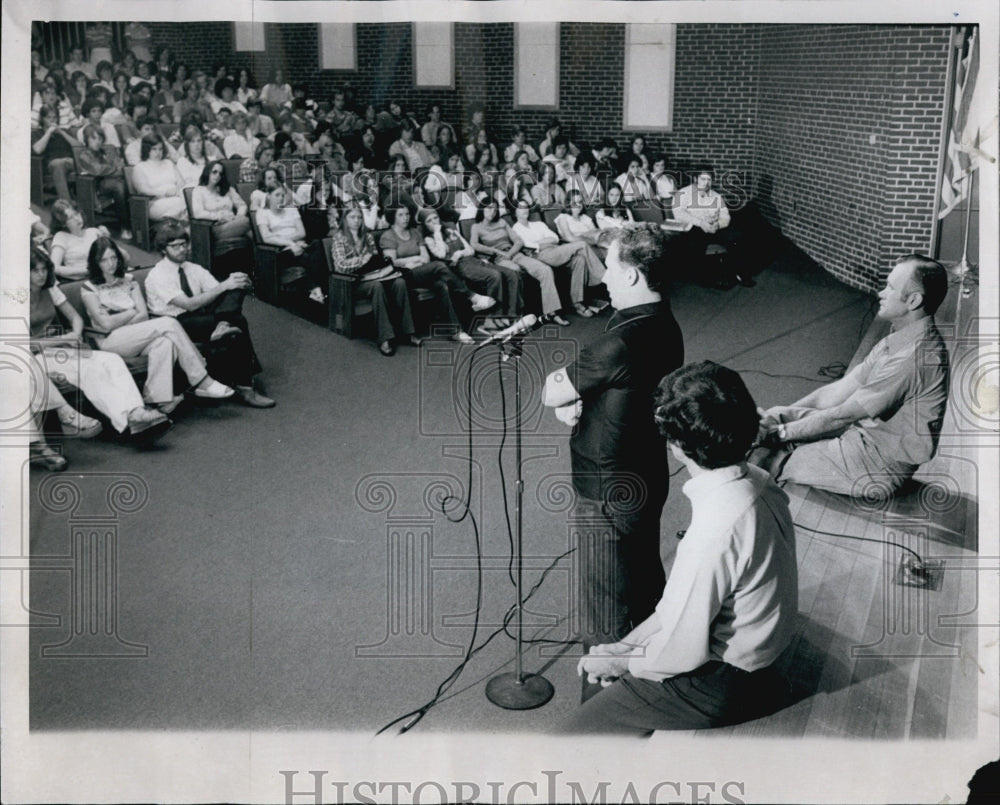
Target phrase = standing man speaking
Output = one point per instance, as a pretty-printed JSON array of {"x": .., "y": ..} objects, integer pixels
[{"x": 619, "y": 458}]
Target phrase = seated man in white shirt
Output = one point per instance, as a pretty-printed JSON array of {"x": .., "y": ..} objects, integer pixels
[
  {"x": 210, "y": 312},
  {"x": 705, "y": 210},
  {"x": 705, "y": 657},
  {"x": 416, "y": 153}
]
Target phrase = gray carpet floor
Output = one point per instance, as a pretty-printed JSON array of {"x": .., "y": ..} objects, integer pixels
[{"x": 293, "y": 569}]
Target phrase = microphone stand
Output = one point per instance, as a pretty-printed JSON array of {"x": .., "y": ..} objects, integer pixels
[{"x": 517, "y": 690}]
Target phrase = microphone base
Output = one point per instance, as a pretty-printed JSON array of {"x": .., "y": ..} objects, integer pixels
[{"x": 531, "y": 691}]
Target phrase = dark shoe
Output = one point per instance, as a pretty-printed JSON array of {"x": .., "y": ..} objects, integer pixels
[
  {"x": 746, "y": 282},
  {"x": 41, "y": 453},
  {"x": 724, "y": 284},
  {"x": 170, "y": 406},
  {"x": 254, "y": 398},
  {"x": 387, "y": 349},
  {"x": 414, "y": 341}
]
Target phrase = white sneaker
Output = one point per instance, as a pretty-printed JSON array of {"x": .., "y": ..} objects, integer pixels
[
  {"x": 480, "y": 302},
  {"x": 463, "y": 338}
]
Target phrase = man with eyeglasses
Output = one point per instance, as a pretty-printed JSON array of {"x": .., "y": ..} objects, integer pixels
[{"x": 209, "y": 310}]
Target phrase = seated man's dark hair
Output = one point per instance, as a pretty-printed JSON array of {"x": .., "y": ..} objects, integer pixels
[
  {"x": 931, "y": 279},
  {"x": 706, "y": 410},
  {"x": 170, "y": 230},
  {"x": 645, "y": 247}
]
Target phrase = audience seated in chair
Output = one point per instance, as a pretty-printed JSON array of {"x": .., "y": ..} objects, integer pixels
[
  {"x": 209, "y": 310},
  {"x": 404, "y": 248},
  {"x": 494, "y": 284},
  {"x": 121, "y": 324},
  {"x": 354, "y": 252},
  {"x": 280, "y": 224},
  {"x": 492, "y": 237},
  {"x": 705, "y": 210},
  {"x": 55, "y": 147},
  {"x": 214, "y": 200},
  {"x": 575, "y": 226},
  {"x": 542, "y": 243},
  {"x": 614, "y": 214},
  {"x": 104, "y": 162},
  {"x": 102, "y": 376},
  {"x": 71, "y": 240},
  {"x": 157, "y": 177}
]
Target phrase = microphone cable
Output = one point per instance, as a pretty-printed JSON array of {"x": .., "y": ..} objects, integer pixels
[
  {"x": 916, "y": 555},
  {"x": 416, "y": 715}
]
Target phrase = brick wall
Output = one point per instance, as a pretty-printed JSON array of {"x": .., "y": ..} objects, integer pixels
[
  {"x": 833, "y": 129},
  {"x": 848, "y": 128}
]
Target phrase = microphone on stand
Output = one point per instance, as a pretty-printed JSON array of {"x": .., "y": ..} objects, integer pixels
[{"x": 522, "y": 326}]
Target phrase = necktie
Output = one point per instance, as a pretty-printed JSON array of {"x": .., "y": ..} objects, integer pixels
[{"x": 185, "y": 285}]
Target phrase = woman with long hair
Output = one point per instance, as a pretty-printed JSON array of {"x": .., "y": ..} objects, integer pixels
[
  {"x": 102, "y": 376},
  {"x": 246, "y": 87},
  {"x": 614, "y": 214},
  {"x": 354, "y": 252},
  {"x": 157, "y": 176},
  {"x": 547, "y": 192},
  {"x": 178, "y": 77},
  {"x": 192, "y": 161},
  {"x": 403, "y": 247},
  {"x": 500, "y": 283},
  {"x": 271, "y": 177},
  {"x": 121, "y": 95},
  {"x": 117, "y": 309},
  {"x": 280, "y": 224},
  {"x": 71, "y": 240},
  {"x": 213, "y": 199},
  {"x": 574, "y": 225}
]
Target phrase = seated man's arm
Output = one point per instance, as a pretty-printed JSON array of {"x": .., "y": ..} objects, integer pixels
[
  {"x": 831, "y": 394},
  {"x": 824, "y": 422}
]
